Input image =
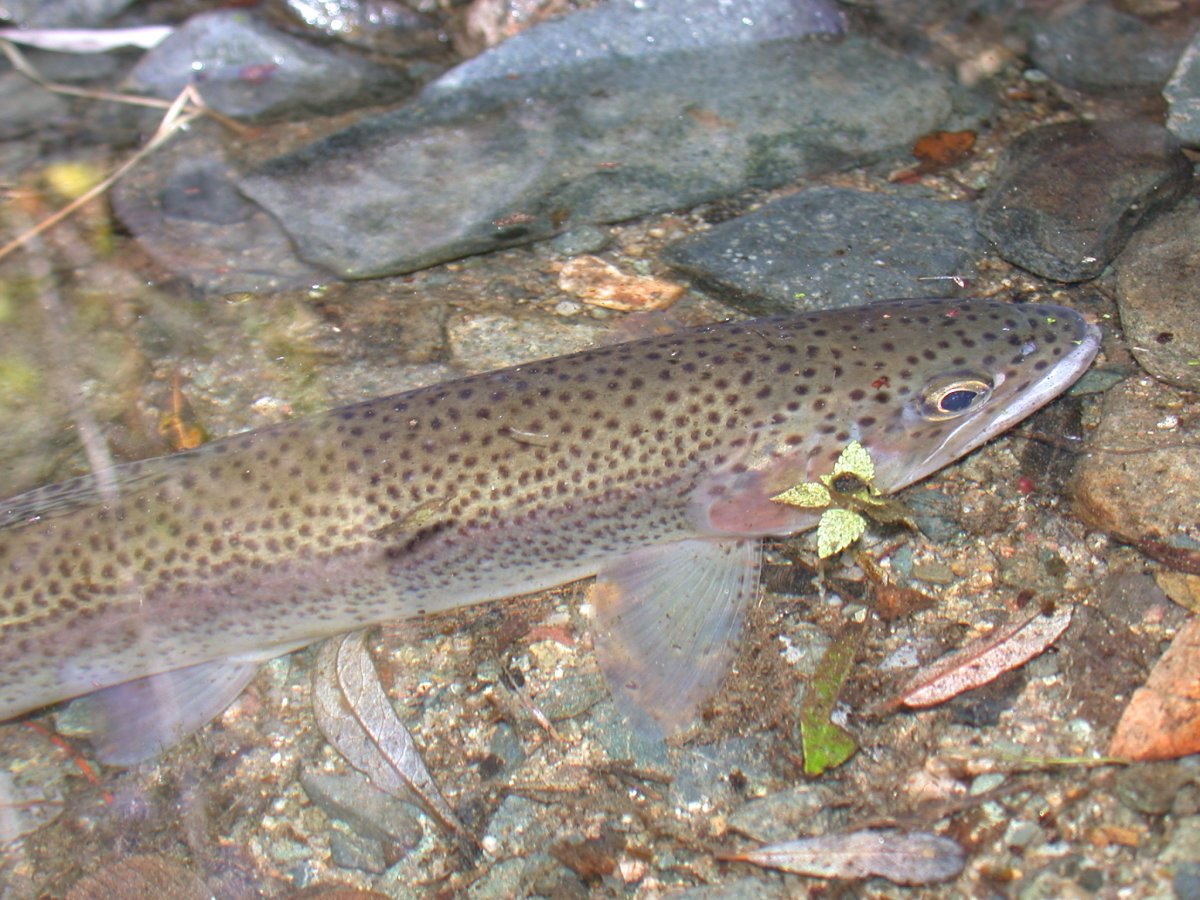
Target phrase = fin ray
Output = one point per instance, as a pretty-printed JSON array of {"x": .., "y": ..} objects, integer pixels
[
  {"x": 667, "y": 619},
  {"x": 133, "y": 721}
]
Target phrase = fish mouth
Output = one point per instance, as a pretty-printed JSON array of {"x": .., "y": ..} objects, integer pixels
[{"x": 970, "y": 434}]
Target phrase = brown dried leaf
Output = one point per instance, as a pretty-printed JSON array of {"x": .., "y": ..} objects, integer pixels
[
  {"x": 987, "y": 658},
  {"x": 354, "y": 714},
  {"x": 1162, "y": 720},
  {"x": 939, "y": 149},
  {"x": 902, "y": 857}
]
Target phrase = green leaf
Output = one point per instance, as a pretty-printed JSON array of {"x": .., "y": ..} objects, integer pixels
[
  {"x": 808, "y": 495},
  {"x": 857, "y": 461},
  {"x": 826, "y": 744},
  {"x": 837, "y": 530}
]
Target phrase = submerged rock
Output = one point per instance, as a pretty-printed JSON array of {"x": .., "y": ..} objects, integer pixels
[
  {"x": 245, "y": 68},
  {"x": 1066, "y": 197},
  {"x": 641, "y": 28},
  {"x": 1158, "y": 292},
  {"x": 1140, "y": 479},
  {"x": 508, "y": 162},
  {"x": 827, "y": 247},
  {"x": 1100, "y": 49},
  {"x": 1183, "y": 97}
]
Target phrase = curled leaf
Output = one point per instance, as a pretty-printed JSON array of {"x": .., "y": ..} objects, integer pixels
[
  {"x": 354, "y": 714},
  {"x": 902, "y": 857},
  {"x": 985, "y": 659}
]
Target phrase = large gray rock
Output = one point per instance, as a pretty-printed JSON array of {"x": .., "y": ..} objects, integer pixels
[
  {"x": 640, "y": 28},
  {"x": 1158, "y": 292},
  {"x": 1099, "y": 49},
  {"x": 506, "y": 162}
]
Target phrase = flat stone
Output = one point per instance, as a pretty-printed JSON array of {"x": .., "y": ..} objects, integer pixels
[
  {"x": 1147, "y": 490},
  {"x": 513, "y": 161},
  {"x": 702, "y": 777},
  {"x": 1150, "y": 788},
  {"x": 1066, "y": 197},
  {"x": 830, "y": 247},
  {"x": 1183, "y": 97},
  {"x": 1158, "y": 293},
  {"x": 786, "y": 815},
  {"x": 1099, "y": 49},
  {"x": 245, "y": 68},
  {"x": 183, "y": 206},
  {"x": 350, "y": 851},
  {"x": 488, "y": 341}
]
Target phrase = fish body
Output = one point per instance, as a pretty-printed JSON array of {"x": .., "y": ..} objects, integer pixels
[{"x": 651, "y": 464}]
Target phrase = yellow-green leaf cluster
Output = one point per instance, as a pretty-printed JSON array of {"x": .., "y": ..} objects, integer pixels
[{"x": 847, "y": 501}]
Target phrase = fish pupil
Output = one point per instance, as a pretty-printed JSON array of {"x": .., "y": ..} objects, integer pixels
[{"x": 957, "y": 400}]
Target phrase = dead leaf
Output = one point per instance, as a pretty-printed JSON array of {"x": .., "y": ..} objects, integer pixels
[
  {"x": 890, "y": 601},
  {"x": 178, "y": 423},
  {"x": 1162, "y": 720},
  {"x": 354, "y": 714},
  {"x": 939, "y": 149},
  {"x": 901, "y": 857},
  {"x": 592, "y": 859},
  {"x": 983, "y": 660}
]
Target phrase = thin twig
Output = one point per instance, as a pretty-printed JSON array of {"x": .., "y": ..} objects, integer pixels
[
  {"x": 22, "y": 65},
  {"x": 180, "y": 112}
]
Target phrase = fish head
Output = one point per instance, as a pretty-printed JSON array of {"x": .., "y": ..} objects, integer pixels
[
  {"x": 917, "y": 383},
  {"x": 965, "y": 372}
]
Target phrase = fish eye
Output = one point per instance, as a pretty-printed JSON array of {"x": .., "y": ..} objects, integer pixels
[{"x": 954, "y": 395}]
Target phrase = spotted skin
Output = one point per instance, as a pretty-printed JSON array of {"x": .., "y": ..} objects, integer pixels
[{"x": 494, "y": 485}]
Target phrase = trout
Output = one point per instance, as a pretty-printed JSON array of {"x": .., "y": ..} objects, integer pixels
[{"x": 650, "y": 465}]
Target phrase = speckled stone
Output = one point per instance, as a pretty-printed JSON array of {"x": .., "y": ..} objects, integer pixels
[
  {"x": 1158, "y": 293},
  {"x": 1147, "y": 497},
  {"x": 826, "y": 247}
]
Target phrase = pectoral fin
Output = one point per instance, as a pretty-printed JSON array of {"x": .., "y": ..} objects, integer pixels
[
  {"x": 667, "y": 619},
  {"x": 133, "y": 721}
]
